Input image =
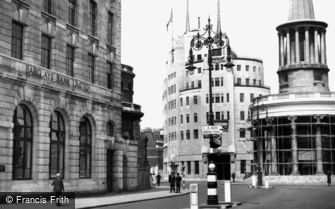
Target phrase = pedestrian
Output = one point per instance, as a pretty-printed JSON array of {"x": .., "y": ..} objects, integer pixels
[
  {"x": 178, "y": 180},
  {"x": 172, "y": 181},
  {"x": 158, "y": 177},
  {"x": 58, "y": 187},
  {"x": 329, "y": 178},
  {"x": 233, "y": 176}
]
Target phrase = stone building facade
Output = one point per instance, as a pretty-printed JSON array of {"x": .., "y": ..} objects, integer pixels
[
  {"x": 60, "y": 97},
  {"x": 294, "y": 130},
  {"x": 186, "y": 109}
]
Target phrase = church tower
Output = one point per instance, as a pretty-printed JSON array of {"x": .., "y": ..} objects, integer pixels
[{"x": 302, "y": 51}]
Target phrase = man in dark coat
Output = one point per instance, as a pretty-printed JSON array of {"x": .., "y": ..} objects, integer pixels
[
  {"x": 178, "y": 180},
  {"x": 58, "y": 187},
  {"x": 172, "y": 181},
  {"x": 158, "y": 177},
  {"x": 329, "y": 178},
  {"x": 233, "y": 176}
]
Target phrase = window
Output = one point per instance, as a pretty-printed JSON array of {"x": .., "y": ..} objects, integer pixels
[
  {"x": 188, "y": 134},
  {"x": 207, "y": 98},
  {"x": 195, "y": 100},
  {"x": 222, "y": 99},
  {"x": 254, "y": 68},
  {"x": 242, "y": 133},
  {"x": 186, "y": 85},
  {"x": 199, "y": 70},
  {"x": 241, "y": 97},
  {"x": 57, "y": 140},
  {"x": 195, "y": 133},
  {"x": 110, "y": 75},
  {"x": 187, "y": 101},
  {"x": 85, "y": 140},
  {"x": 254, "y": 82},
  {"x": 192, "y": 85},
  {"x": 199, "y": 57},
  {"x": 188, "y": 167},
  {"x": 217, "y": 115},
  {"x": 241, "y": 115},
  {"x": 207, "y": 116},
  {"x": 181, "y": 135},
  {"x": 227, "y": 97},
  {"x": 110, "y": 27},
  {"x": 72, "y": 12},
  {"x": 110, "y": 128},
  {"x": 199, "y": 83},
  {"x": 47, "y": 6},
  {"x": 217, "y": 81},
  {"x": 222, "y": 115},
  {"x": 247, "y": 68},
  {"x": 228, "y": 115},
  {"x": 238, "y": 81},
  {"x": 217, "y": 66},
  {"x": 217, "y": 98},
  {"x": 17, "y": 41},
  {"x": 91, "y": 67},
  {"x": 181, "y": 119},
  {"x": 187, "y": 118},
  {"x": 318, "y": 75},
  {"x": 181, "y": 102},
  {"x": 45, "y": 51},
  {"x": 196, "y": 167},
  {"x": 238, "y": 67},
  {"x": 69, "y": 60},
  {"x": 251, "y": 97},
  {"x": 221, "y": 81},
  {"x": 22, "y": 143},
  {"x": 93, "y": 15},
  {"x": 260, "y": 82},
  {"x": 247, "y": 81},
  {"x": 195, "y": 117}
]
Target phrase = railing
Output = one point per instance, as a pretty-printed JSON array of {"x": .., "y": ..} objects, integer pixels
[
  {"x": 250, "y": 85},
  {"x": 131, "y": 106},
  {"x": 297, "y": 96}
]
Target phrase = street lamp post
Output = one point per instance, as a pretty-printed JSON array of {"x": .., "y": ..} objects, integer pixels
[{"x": 221, "y": 40}]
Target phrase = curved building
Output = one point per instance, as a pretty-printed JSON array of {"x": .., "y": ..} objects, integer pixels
[
  {"x": 294, "y": 130},
  {"x": 186, "y": 110}
]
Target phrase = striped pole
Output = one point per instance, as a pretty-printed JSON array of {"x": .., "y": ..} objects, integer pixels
[{"x": 212, "y": 195}]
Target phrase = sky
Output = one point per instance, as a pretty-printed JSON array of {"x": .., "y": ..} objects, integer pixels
[{"x": 250, "y": 25}]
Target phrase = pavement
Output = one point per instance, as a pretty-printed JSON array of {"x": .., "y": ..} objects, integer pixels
[{"x": 126, "y": 197}]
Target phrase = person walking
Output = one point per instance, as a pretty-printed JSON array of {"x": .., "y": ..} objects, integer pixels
[
  {"x": 58, "y": 187},
  {"x": 158, "y": 177},
  {"x": 329, "y": 178},
  {"x": 178, "y": 181},
  {"x": 172, "y": 181},
  {"x": 233, "y": 176}
]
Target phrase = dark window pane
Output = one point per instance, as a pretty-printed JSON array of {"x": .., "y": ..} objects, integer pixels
[
  {"x": 17, "y": 40},
  {"x": 45, "y": 51}
]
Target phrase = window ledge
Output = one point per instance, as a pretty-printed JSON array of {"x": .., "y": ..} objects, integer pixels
[{"x": 49, "y": 16}]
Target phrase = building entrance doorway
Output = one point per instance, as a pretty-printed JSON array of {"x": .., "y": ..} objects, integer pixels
[
  {"x": 222, "y": 162},
  {"x": 109, "y": 168}
]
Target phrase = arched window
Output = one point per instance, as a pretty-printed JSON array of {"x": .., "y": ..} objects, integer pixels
[
  {"x": 57, "y": 140},
  {"x": 110, "y": 128},
  {"x": 23, "y": 139},
  {"x": 85, "y": 139}
]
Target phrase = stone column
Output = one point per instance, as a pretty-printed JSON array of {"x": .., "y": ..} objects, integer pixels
[
  {"x": 319, "y": 165},
  {"x": 297, "y": 48},
  {"x": 294, "y": 146},
  {"x": 281, "y": 37},
  {"x": 316, "y": 51},
  {"x": 279, "y": 48},
  {"x": 323, "y": 48},
  {"x": 274, "y": 170},
  {"x": 288, "y": 47},
  {"x": 307, "y": 55}
]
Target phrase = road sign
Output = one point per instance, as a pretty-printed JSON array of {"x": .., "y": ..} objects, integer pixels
[{"x": 207, "y": 130}]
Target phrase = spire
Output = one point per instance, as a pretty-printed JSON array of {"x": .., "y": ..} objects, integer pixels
[
  {"x": 187, "y": 19},
  {"x": 301, "y": 9},
  {"x": 218, "y": 27}
]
